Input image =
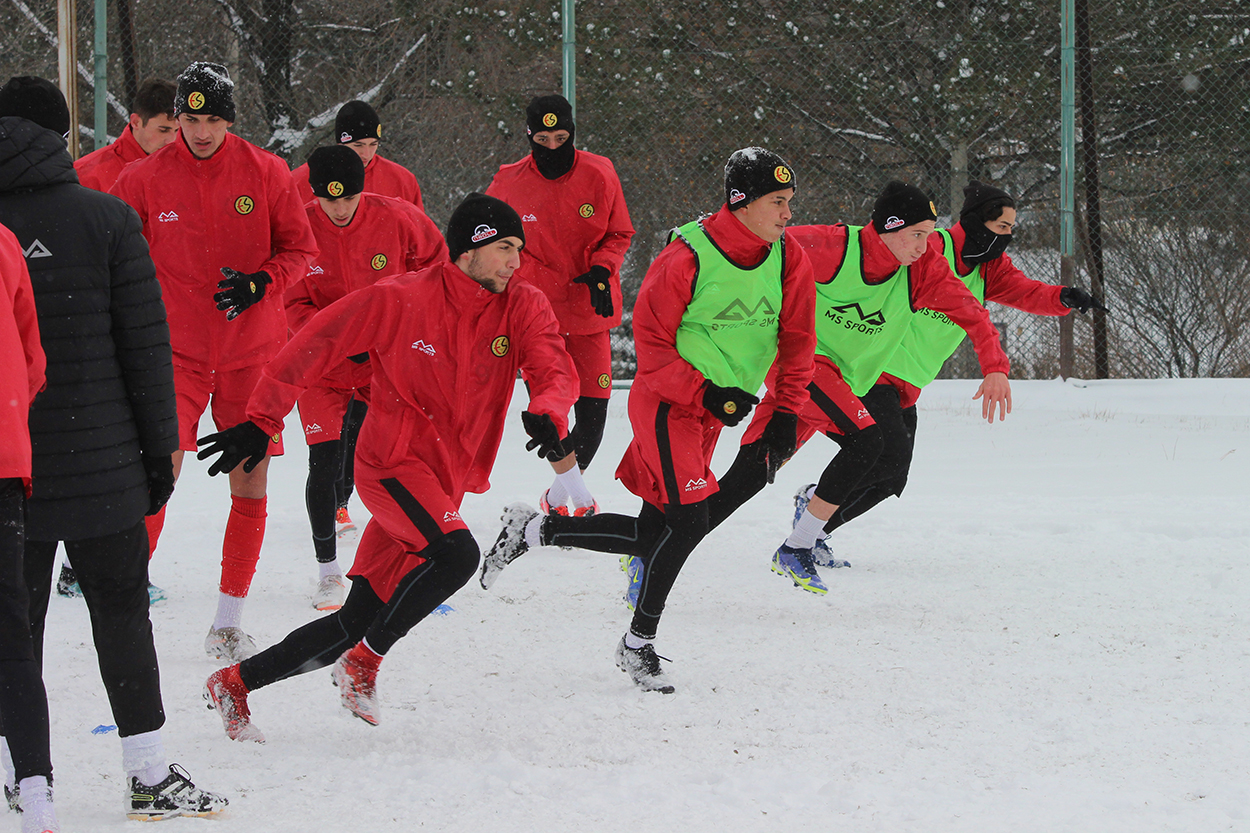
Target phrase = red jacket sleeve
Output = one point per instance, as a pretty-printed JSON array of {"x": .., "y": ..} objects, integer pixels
[
  {"x": 546, "y": 365},
  {"x": 426, "y": 246},
  {"x": 796, "y": 337},
  {"x": 935, "y": 286},
  {"x": 291, "y": 237},
  {"x": 666, "y": 292},
  {"x": 1007, "y": 285},
  {"x": 611, "y": 251},
  {"x": 300, "y": 306},
  {"x": 17, "y": 285}
]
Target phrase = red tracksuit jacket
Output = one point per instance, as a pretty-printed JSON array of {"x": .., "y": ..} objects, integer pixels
[
  {"x": 445, "y": 355},
  {"x": 23, "y": 364},
  {"x": 386, "y": 237},
  {"x": 100, "y": 168},
  {"x": 238, "y": 209},
  {"x": 571, "y": 224},
  {"x": 382, "y": 176}
]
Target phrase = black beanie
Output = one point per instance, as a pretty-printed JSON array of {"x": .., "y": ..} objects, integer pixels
[
  {"x": 205, "y": 89},
  {"x": 38, "y": 100},
  {"x": 752, "y": 173},
  {"x": 549, "y": 112},
  {"x": 978, "y": 195},
  {"x": 335, "y": 172},
  {"x": 901, "y": 205},
  {"x": 481, "y": 220},
  {"x": 356, "y": 120}
]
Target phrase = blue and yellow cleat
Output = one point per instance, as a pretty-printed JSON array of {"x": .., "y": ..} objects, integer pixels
[
  {"x": 821, "y": 554},
  {"x": 631, "y": 565},
  {"x": 798, "y": 565}
]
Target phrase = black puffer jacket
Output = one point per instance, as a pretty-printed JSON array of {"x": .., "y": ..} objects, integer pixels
[{"x": 110, "y": 393}]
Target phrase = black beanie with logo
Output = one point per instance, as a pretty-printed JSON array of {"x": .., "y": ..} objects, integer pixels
[
  {"x": 479, "y": 221},
  {"x": 335, "y": 172},
  {"x": 38, "y": 100},
  {"x": 205, "y": 89},
  {"x": 356, "y": 120},
  {"x": 549, "y": 113},
  {"x": 752, "y": 173},
  {"x": 901, "y": 205}
]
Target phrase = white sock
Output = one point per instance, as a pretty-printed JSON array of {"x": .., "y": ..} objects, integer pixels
[
  {"x": 533, "y": 532},
  {"x": 805, "y": 532},
  {"x": 576, "y": 488},
  {"x": 558, "y": 494},
  {"x": 36, "y": 804},
  {"x": 143, "y": 757},
  {"x": 634, "y": 642},
  {"x": 229, "y": 613},
  {"x": 329, "y": 568},
  {"x": 7, "y": 757}
]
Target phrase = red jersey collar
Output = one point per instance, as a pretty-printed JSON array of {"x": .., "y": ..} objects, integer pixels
[{"x": 738, "y": 242}]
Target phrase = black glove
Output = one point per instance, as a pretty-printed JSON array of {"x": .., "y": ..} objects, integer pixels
[
  {"x": 245, "y": 441},
  {"x": 546, "y": 437},
  {"x": 1078, "y": 299},
  {"x": 160, "y": 469},
  {"x": 729, "y": 405},
  {"x": 778, "y": 442},
  {"x": 599, "y": 281},
  {"x": 240, "y": 290}
]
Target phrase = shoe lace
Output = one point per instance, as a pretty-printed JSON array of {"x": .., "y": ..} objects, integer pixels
[{"x": 806, "y": 560}]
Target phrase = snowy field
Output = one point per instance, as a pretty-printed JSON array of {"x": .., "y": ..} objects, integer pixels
[{"x": 1049, "y": 632}]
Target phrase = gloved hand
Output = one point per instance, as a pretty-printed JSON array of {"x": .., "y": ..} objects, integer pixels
[
  {"x": 778, "y": 442},
  {"x": 599, "y": 281},
  {"x": 546, "y": 437},
  {"x": 240, "y": 290},
  {"x": 245, "y": 441},
  {"x": 729, "y": 405},
  {"x": 160, "y": 470},
  {"x": 1078, "y": 299}
]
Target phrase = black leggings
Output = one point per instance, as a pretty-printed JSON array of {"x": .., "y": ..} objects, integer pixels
[
  {"x": 662, "y": 539},
  {"x": 450, "y": 562},
  {"x": 331, "y": 479},
  {"x": 591, "y": 415},
  {"x": 23, "y": 700},
  {"x": 353, "y": 418},
  {"x": 888, "y": 476}
]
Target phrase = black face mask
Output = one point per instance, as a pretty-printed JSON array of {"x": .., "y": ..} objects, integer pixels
[
  {"x": 982, "y": 245},
  {"x": 553, "y": 164}
]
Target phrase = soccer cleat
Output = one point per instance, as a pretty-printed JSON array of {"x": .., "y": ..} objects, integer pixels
[
  {"x": 631, "y": 565},
  {"x": 586, "y": 511},
  {"x": 343, "y": 522},
  {"x": 510, "y": 544},
  {"x": 13, "y": 795},
  {"x": 546, "y": 508},
  {"x": 358, "y": 687},
  {"x": 67, "y": 583},
  {"x": 229, "y": 644},
  {"x": 822, "y": 556},
  {"x": 330, "y": 593},
  {"x": 227, "y": 695},
  {"x": 155, "y": 594},
  {"x": 643, "y": 667},
  {"x": 798, "y": 565},
  {"x": 175, "y": 796}
]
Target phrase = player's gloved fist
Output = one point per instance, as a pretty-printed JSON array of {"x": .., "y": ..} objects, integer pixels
[
  {"x": 240, "y": 290},
  {"x": 599, "y": 281},
  {"x": 160, "y": 471},
  {"x": 778, "y": 442},
  {"x": 729, "y": 405},
  {"x": 245, "y": 441},
  {"x": 544, "y": 436},
  {"x": 1078, "y": 299}
]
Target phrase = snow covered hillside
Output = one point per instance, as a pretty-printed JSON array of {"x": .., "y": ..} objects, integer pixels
[{"x": 1049, "y": 632}]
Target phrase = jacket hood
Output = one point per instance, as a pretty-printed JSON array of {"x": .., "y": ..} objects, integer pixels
[{"x": 32, "y": 157}]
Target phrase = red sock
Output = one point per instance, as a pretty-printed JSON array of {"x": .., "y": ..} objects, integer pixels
[
  {"x": 155, "y": 523},
  {"x": 363, "y": 656},
  {"x": 240, "y": 550}
]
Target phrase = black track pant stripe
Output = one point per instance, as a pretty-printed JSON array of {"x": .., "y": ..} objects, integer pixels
[
  {"x": 821, "y": 400},
  {"x": 416, "y": 513},
  {"x": 665, "y": 446}
]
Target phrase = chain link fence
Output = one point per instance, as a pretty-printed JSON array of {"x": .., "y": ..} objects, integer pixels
[{"x": 851, "y": 94}]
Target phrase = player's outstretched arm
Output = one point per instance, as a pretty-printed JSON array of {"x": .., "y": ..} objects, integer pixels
[{"x": 994, "y": 393}]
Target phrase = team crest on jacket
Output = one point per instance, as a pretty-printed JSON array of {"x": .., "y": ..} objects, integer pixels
[
  {"x": 587, "y": 210},
  {"x": 379, "y": 262},
  {"x": 605, "y": 381},
  {"x": 244, "y": 205},
  {"x": 335, "y": 189},
  {"x": 483, "y": 232},
  {"x": 500, "y": 346}
]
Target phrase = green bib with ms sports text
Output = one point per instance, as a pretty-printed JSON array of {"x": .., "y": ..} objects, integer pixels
[
  {"x": 729, "y": 330},
  {"x": 859, "y": 324},
  {"x": 933, "y": 337}
]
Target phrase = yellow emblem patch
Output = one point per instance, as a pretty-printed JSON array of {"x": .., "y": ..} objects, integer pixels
[
  {"x": 244, "y": 205},
  {"x": 782, "y": 174},
  {"x": 605, "y": 381},
  {"x": 500, "y": 346},
  {"x": 378, "y": 263},
  {"x": 731, "y": 407},
  {"x": 335, "y": 189},
  {"x": 195, "y": 101},
  {"x": 932, "y": 208},
  {"x": 550, "y": 120},
  {"x": 379, "y": 131},
  {"x": 587, "y": 210}
]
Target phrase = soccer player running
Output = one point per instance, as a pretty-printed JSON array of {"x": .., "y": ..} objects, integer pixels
[
  {"x": 975, "y": 250},
  {"x": 577, "y": 232},
  {"x": 728, "y": 297},
  {"x": 228, "y": 235},
  {"x": 363, "y": 238},
  {"x": 151, "y": 127},
  {"x": 445, "y": 344},
  {"x": 870, "y": 283}
]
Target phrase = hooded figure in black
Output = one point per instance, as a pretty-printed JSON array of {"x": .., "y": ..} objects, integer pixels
[{"x": 549, "y": 114}]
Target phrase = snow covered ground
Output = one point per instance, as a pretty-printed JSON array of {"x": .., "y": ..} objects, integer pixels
[{"x": 1049, "y": 632}]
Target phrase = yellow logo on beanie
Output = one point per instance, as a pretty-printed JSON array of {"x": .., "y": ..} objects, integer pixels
[
  {"x": 932, "y": 209},
  {"x": 195, "y": 101},
  {"x": 378, "y": 263},
  {"x": 550, "y": 120},
  {"x": 335, "y": 189},
  {"x": 500, "y": 346},
  {"x": 587, "y": 210},
  {"x": 244, "y": 205},
  {"x": 379, "y": 131},
  {"x": 782, "y": 174}
]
